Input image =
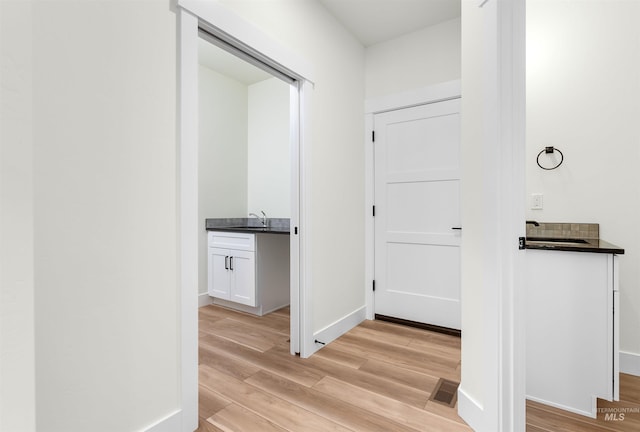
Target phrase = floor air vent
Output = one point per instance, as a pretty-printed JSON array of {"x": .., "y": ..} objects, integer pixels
[{"x": 445, "y": 392}]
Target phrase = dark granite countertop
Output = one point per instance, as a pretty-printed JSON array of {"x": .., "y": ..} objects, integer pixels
[
  {"x": 248, "y": 225},
  {"x": 571, "y": 237},
  {"x": 589, "y": 245}
]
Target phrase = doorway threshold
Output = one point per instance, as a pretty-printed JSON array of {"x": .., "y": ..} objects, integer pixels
[{"x": 416, "y": 324}]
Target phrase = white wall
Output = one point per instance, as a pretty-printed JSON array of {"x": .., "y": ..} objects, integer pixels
[
  {"x": 269, "y": 161},
  {"x": 418, "y": 59},
  {"x": 222, "y": 158},
  {"x": 17, "y": 339},
  {"x": 583, "y": 96},
  {"x": 306, "y": 28},
  {"x": 106, "y": 295}
]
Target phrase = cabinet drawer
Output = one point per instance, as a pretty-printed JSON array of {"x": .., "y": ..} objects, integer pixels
[{"x": 232, "y": 240}]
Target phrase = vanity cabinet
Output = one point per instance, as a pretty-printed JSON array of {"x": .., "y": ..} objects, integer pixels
[
  {"x": 232, "y": 275},
  {"x": 571, "y": 329},
  {"x": 248, "y": 272}
]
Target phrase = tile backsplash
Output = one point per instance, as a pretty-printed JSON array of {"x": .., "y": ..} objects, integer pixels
[{"x": 564, "y": 230}]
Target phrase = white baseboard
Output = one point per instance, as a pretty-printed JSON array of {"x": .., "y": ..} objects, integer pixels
[
  {"x": 171, "y": 423},
  {"x": 470, "y": 411},
  {"x": 592, "y": 414},
  {"x": 204, "y": 299},
  {"x": 237, "y": 306},
  {"x": 339, "y": 327},
  {"x": 630, "y": 363}
]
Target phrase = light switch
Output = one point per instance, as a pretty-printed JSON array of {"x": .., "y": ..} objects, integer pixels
[{"x": 536, "y": 201}]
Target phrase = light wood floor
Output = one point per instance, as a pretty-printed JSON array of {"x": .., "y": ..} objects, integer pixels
[
  {"x": 542, "y": 418},
  {"x": 377, "y": 377}
]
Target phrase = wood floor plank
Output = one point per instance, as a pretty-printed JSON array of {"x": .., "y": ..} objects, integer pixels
[
  {"x": 402, "y": 413},
  {"x": 214, "y": 312},
  {"x": 430, "y": 345},
  {"x": 205, "y": 426},
  {"x": 630, "y": 388},
  {"x": 444, "y": 411},
  {"x": 235, "y": 418},
  {"x": 560, "y": 421},
  {"x": 297, "y": 372},
  {"x": 341, "y": 357},
  {"x": 395, "y": 373},
  {"x": 531, "y": 428},
  {"x": 412, "y": 332},
  {"x": 630, "y": 422},
  {"x": 256, "y": 327},
  {"x": 366, "y": 380},
  {"x": 433, "y": 347},
  {"x": 381, "y": 336},
  {"x": 407, "y": 358},
  {"x": 626, "y": 413},
  {"x": 232, "y": 366},
  {"x": 284, "y": 312},
  {"x": 278, "y": 411},
  {"x": 312, "y": 400},
  {"x": 250, "y": 335},
  {"x": 418, "y": 356},
  {"x": 206, "y": 324},
  {"x": 210, "y": 402},
  {"x": 273, "y": 321}
]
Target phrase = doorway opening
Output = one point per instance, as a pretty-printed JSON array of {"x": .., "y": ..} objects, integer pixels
[
  {"x": 244, "y": 180},
  {"x": 244, "y": 41},
  {"x": 248, "y": 127}
]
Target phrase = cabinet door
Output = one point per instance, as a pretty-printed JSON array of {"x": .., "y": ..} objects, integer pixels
[
  {"x": 243, "y": 278},
  {"x": 219, "y": 277}
]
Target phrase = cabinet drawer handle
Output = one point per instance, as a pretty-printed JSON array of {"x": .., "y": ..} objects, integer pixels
[
  {"x": 230, "y": 263},
  {"x": 226, "y": 263}
]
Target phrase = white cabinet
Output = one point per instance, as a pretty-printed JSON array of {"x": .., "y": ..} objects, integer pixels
[
  {"x": 231, "y": 267},
  {"x": 571, "y": 329},
  {"x": 232, "y": 275},
  {"x": 249, "y": 272}
]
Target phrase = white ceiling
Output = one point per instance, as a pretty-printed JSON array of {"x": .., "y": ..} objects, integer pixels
[
  {"x": 375, "y": 21},
  {"x": 228, "y": 64}
]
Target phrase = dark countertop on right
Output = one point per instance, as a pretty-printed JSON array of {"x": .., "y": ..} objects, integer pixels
[
  {"x": 590, "y": 245},
  {"x": 570, "y": 237}
]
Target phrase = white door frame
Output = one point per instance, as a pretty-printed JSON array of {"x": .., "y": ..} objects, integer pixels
[
  {"x": 503, "y": 110},
  {"x": 193, "y": 14},
  {"x": 431, "y": 94},
  {"x": 505, "y": 105}
]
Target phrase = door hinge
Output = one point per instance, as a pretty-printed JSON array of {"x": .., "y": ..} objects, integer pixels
[
  {"x": 374, "y": 211},
  {"x": 521, "y": 243},
  {"x": 373, "y": 136},
  {"x": 374, "y": 284}
]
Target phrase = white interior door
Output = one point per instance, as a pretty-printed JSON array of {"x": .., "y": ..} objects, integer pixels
[{"x": 417, "y": 220}]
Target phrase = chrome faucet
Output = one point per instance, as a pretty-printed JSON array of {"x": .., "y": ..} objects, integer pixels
[
  {"x": 532, "y": 222},
  {"x": 262, "y": 219}
]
